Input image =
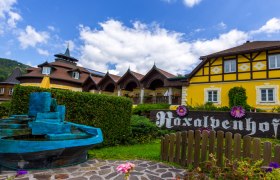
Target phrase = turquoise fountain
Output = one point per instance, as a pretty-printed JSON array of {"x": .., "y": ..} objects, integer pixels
[{"x": 43, "y": 139}]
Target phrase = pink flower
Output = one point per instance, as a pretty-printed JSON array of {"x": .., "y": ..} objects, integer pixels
[
  {"x": 125, "y": 168},
  {"x": 237, "y": 112},
  {"x": 181, "y": 110}
]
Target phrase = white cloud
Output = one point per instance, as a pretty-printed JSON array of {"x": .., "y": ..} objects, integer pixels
[
  {"x": 142, "y": 45},
  {"x": 31, "y": 37},
  {"x": 13, "y": 19},
  {"x": 43, "y": 52},
  {"x": 191, "y": 3},
  {"x": 51, "y": 28},
  {"x": 8, "y": 16},
  {"x": 271, "y": 26},
  {"x": 222, "y": 25},
  {"x": 169, "y": 1},
  {"x": 224, "y": 41}
]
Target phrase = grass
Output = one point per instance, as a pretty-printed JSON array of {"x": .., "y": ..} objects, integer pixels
[{"x": 148, "y": 151}]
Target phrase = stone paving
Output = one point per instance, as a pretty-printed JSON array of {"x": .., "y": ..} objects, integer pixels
[{"x": 103, "y": 170}]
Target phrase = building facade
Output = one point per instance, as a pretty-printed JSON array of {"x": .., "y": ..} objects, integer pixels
[
  {"x": 64, "y": 73},
  {"x": 7, "y": 86},
  {"x": 254, "y": 66},
  {"x": 157, "y": 86}
]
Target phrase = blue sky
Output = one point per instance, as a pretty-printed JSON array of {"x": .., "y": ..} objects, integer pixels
[{"x": 114, "y": 35}]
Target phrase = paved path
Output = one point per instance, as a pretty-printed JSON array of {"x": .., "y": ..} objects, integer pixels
[{"x": 103, "y": 170}]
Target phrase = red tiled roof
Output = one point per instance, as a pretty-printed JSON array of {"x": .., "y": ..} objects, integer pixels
[
  {"x": 96, "y": 79},
  {"x": 114, "y": 77},
  {"x": 137, "y": 75},
  {"x": 246, "y": 48},
  {"x": 166, "y": 74},
  {"x": 58, "y": 73}
]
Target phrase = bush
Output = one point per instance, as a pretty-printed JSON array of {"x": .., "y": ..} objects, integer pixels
[
  {"x": 144, "y": 109},
  {"x": 237, "y": 97},
  {"x": 110, "y": 113},
  {"x": 143, "y": 130},
  {"x": 5, "y": 109}
]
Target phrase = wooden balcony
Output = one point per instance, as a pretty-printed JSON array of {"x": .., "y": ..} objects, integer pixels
[{"x": 176, "y": 100}]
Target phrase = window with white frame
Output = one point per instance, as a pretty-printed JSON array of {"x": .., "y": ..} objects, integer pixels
[
  {"x": 274, "y": 61},
  {"x": 267, "y": 94},
  {"x": 75, "y": 75},
  {"x": 46, "y": 70},
  {"x": 230, "y": 66},
  {"x": 212, "y": 95},
  {"x": 2, "y": 90},
  {"x": 11, "y": 90}
]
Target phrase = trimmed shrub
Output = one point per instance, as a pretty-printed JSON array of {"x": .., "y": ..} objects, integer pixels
[
  {"x": 110, "y": 113},
  {"x": 237, "y": 97},
  {"x": 5, "y": 109},
  {"x": 143, "y": 130},
  {"x": 144, "y": 109}
]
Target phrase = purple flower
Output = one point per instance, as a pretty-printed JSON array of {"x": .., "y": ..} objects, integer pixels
[
  {"x": 237, "y": 112},
  {"x": 21, "y": 172},
  {"x": 274, "y": 165},
  {"x": 269, "y": 169},
  {"x": 181, "y": 111}
]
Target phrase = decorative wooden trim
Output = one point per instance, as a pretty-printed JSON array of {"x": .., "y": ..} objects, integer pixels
[
  {"x": 273, "y": 53},
  {"x": 258, "y": 53},
  {"x": 267, "y": 64},
  {"x": 244, "y": 55},
  {"x": 236, "y": 80},
  {"x": 236, "y": 67},
  {"x": 263, "y": 60},
  {"x": 251, "y": 66},
  {"x": 223, "y": 67}
]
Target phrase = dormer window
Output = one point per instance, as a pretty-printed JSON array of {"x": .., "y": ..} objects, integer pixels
[
  {"x": 46, "y": 70},
  {"x": 75, "y": 75}
]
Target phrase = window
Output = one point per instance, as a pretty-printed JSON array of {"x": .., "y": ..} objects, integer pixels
[
  {"x": 267, "y": 95},
  {"x": 11, "y": 90},
  {"x": 274, "y": 61},
  {"x": 212, "y": 96},
  {"x": 46, "y": 70},
  {"x": 75, "y": 75},
  {"x": 2, "y": 90},
  {"x": 230, "y": 66}
]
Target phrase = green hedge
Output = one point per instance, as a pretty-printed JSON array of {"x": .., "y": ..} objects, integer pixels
[
  {"x": 144, "y": 131},
  {"x": 110, "y": 113},
  {"x": 5, "y": 109},
  {"x": 144, "y": 109}
]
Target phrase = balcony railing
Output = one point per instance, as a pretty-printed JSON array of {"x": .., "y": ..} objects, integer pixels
[{"x": 176, "y": 100}]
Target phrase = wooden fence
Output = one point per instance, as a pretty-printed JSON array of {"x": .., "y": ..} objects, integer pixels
[{"x": 193, "y": 147}]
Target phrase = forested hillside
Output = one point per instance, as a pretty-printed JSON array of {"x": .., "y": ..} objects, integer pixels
[{"x": 8, "y": 65}]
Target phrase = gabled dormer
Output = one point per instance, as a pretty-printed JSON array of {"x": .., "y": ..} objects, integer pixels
[
  {"x": 46, "y": 68},
  {"x": 75, "y": 73}
]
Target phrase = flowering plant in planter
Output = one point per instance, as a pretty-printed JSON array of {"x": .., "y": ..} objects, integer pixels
[
  {"x": 125, "y": 169},
  {"x": 182, "y": 111},
  {"x": 237, "y": 112}
]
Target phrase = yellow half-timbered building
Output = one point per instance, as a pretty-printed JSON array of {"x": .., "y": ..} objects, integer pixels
[{"x": 254, "y": 65}]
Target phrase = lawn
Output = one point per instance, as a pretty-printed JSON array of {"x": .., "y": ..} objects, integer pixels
[{"x": 148, "y": 151}]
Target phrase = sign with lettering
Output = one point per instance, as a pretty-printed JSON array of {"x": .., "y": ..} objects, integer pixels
[{"x": 253, "y": 124}]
